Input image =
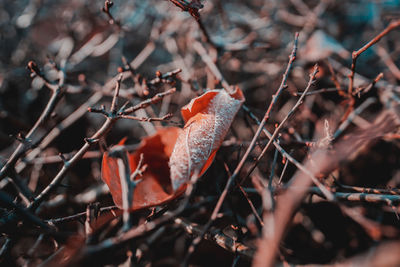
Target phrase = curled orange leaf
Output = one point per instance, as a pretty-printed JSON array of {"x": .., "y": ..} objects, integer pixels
[
  {"x": 207, "y": 121},
  {"x": 155, "y": 186}
]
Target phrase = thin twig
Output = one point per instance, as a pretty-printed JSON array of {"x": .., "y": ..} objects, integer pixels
[
  {"x": 127, "y": 186},
  {"x": 155, "y": 99},
  {"x": 79, "y": 216},
  {"x": 106, "y": 9},
  {"x": 211, "y": 65},
  {"x": 393, "y": 25},
  {"x": 253, "y": 209},
  {"x": 289, "y": 157},
  {"x": 342, "y": 127},
  {"x": 6, "y": 201},
  {"x": 57, "y": 93},
  {"x": 232, "y": 178},
  {"x": 387, "y": 199},
  {"x": 142, "y": 229},
  {"x": 385, "y": 56},
  {"x": 92, "y": 213},
  {"x": 369, "y": 87},
  {"x": 82, "y": 110},
  {"x": 105, "y": 128},
  {"x": 217, "y": 237},
  {"x": 324, "y": 90},
  {"x": 290, "y": 113},
  {"x": 283, "y": 171},
  {"x": 391, "y": 191},
  {"x": 163, "y": 118}
]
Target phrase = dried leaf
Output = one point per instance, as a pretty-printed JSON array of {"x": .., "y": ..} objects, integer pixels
[
  {"x": 155, "y": 187},
  {"x": 208, "y": 118}
]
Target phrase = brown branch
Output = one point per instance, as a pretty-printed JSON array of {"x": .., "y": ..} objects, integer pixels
[
  {"x": 283, "y": 171},
  {"x": 192, "y": 7},
  {"x": 387, "y": 199},
  {"x": 253, "y": 208},
  {"x": 79, "y": 216},
  {"x": 82, "y": 110},
  {"x": 105, "y": 128},
  {"x": 164, "y": 78},
  {"x": 366, "y": 190},
  {"x": 321, "y": 161},
  {"x": 342, "y": 127},
  {"x": 369, "y": 87},
  {"x": 25, "y": 214},
  {"x": 211, "y": 65},
  {"x": 146, "y": 103},
  {"x": 215, "y": 236},
  {"x": 92, "y": 213},
  {"x": 57, "y": 93},
  {"x": 288, "y": 115},
  {"x": 142, "y": 229},
  {"x": 66, "y": 167},
  {"x": 163, "y": 118},
  {"x": 388, "y": 61},
  {"x": 235, "y": 174},
  {"x": 393, "y": 25},
  {"x": 324, "y": 90},
  {"x": 114, "y": 103},
  {"x": 285, "y": 154},
  {"x": 107, "y": 10}
]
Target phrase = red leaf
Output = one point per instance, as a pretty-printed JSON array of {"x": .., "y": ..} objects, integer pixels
[
  {"x": 208, "y": 118},
  {"x": 155, "y": 187}
]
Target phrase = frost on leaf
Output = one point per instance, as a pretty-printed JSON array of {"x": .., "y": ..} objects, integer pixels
[
  {"x": 155, "y": 187},
  {"x": 207, "y": 121}
]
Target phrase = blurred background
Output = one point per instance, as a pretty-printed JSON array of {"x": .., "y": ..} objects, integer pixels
[{"x": 251, "y": 42}]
